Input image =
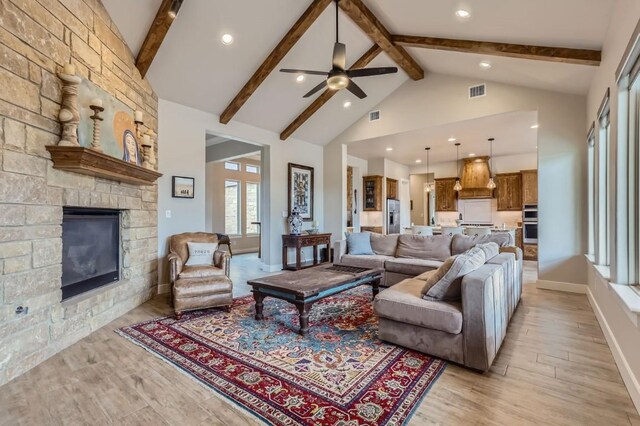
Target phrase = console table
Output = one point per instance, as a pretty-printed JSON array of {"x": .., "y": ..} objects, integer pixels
[{"x": 299, "y": 241}]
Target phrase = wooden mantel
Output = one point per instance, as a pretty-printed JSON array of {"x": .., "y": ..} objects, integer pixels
[{"x": 87, "y": 161}]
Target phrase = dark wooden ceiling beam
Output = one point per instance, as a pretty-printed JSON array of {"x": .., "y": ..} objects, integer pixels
[
  {"x": 540, "y": 53},
  {"x": 268, "y": 65},
  {"x": 362, "y": 62},
  {"x": 367, "y": 21},
  {"x": 157, "y": 32}
]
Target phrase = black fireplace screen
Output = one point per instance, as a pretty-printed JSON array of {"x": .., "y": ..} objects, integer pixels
[{"x": 90, "y": 249}]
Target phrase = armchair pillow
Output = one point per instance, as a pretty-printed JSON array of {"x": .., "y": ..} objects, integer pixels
[
  {"x": 445, "y": 283},
  {"x": 201, "y": 254},
  {"x": 359, "y": 243}
]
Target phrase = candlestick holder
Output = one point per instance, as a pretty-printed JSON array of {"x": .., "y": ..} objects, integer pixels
[
  {"x": 95, "y": 144},
  {"x": 69, "y": 115},
  {"x": 138, "y": 125},
  {"x": 152, "y": 151}
]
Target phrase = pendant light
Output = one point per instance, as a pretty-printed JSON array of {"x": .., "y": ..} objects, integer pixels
[
  {"x": 428, "y": 186},
  {"x": 457, "y": 186},
  {"x": 491, "y": 184}
]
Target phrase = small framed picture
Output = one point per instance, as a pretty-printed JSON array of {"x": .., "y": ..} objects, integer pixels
[{"x": 182, "y": 187}]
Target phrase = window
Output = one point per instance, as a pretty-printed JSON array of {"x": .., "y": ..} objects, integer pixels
[
  {"x": 591, "y": 165},
  {"x": 252, "y": 206},
  {"x": 603, "y": 193},
  {"x": 232, "y": 165},
  {"x": 252, "y": 168},
  {"x": 232, "y": 207}
]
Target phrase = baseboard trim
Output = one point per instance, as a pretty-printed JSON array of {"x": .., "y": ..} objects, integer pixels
[
  {"x": 629, "y": 379},
  {"x": 270, "y": 268},
  {"x": 560, "y": 286}
]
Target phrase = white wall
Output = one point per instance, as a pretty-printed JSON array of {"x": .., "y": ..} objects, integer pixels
[
  {"x": 440, "y": 99},
  {"x": 360, "y": 169},
  {"x": 623, "y": 335},
  {"x": 181, "y": 141}
]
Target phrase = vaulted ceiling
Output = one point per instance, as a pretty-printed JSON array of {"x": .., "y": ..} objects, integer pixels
[{"x": 194, "y": 68}]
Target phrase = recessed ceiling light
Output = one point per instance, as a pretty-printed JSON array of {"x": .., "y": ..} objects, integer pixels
[
  {"x": 461, "y": 13},
  {"x": 485, "y": 65},
  {"x": 418, "y": 161},
  {"x": 347, "y": 104},
  {"x": 452, "y": 139},
  {"x": 473, "y": 154},
  {"x": 300, "y": 78},
  {"x": 535, "y": 126},
  {"x": 389, "y": 149},
  {"x": 227, "y": 39}
]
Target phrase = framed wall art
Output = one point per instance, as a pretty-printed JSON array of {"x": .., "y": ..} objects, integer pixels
[
  {"x": 182, "y": 187},
  {"x": 301, "y": 190}
]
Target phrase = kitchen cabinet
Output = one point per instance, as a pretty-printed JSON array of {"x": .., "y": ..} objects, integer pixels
[
  {"x": 530, "y": 252},
  {"x": 529, "y": 186},
  {"x": 509, "y": 191},
  {"x": 392, "y": 188},
  {"x": 372, "y": 193},
  {"x": 446, "y": 196}
]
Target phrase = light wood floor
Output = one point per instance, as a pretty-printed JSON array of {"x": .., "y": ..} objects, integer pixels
[{"x": 554, "y": 368}]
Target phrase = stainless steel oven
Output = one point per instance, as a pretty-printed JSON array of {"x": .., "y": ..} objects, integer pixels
[{"x": 530, "y": 232}]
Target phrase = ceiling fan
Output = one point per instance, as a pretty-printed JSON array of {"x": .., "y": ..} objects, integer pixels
[{"x": 339, "y": 78}]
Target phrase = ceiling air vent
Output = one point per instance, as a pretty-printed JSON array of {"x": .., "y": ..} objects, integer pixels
[
  {"x": 374, "y": 115},
  {"x": 477, "y": 91}
]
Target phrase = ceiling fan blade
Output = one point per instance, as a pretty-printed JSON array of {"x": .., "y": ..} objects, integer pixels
[
  {"x": 309, "y": 72},
  {"x": 316, "y": 89},
  {"x": 356, "y": 90},
  {"x": 366, "y": 72},
  {"x": 339, "y": 56}
]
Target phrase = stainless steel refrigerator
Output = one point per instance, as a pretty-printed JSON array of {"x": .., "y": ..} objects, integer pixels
[{"x": 393, "y": 216}]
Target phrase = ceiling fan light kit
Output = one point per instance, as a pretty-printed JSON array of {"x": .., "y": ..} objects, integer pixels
[{"x": 339, "y": 78}]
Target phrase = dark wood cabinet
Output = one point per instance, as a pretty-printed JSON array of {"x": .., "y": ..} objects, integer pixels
[
  {"x": 446, "y": 197},
  {"x": 529, "y": 186},
  {"x": 530, "y": 252},
  {"x": 519, "y": 238},
  {"x": 509, "y": 191},
  {"x": 392, "y": 188},
  {"x": 372, "y": 193}
]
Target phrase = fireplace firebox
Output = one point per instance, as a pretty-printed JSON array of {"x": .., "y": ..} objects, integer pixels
[{"x": 90, "y": 249}]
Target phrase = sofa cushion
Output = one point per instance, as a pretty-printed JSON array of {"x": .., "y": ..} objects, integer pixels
[
  {"x": 360, "y": 261},
  {"x": 490, "y": 250},
  {"x": 433, "y": 247},
  {"x": 359, "y": 243},
  {"x": 446, "y": 283},
  {"x": 411, "y": 267},
  {"x": 462, "y": 243},
  {"x": 200, "y": 272},
  {"x": 403, "y": 303},
  {"x": 384, "y": 244}
]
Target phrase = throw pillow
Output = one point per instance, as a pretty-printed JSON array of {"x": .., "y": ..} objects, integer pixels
[
  {"x": 201, "y": 253},
  {"x": 359, "y": 243},
  {"x": 490, "y": 250},
  {"x": 449, "y": 285}
]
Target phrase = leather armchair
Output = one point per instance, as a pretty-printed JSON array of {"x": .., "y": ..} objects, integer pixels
[{"x": 198, "y": 287}]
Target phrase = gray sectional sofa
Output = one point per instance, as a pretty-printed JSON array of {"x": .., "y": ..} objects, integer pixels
[{"x": 469, "y": 331}]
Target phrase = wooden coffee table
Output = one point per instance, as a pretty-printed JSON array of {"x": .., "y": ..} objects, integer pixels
[{"x": 305, "y": 287}]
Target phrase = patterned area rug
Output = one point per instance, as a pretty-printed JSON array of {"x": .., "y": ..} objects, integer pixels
[{"x": 339, "y": 374}]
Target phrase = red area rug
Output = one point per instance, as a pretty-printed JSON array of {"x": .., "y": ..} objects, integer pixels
[{"x": 340, "y": 374}]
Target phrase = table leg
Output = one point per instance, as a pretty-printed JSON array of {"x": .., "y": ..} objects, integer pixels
[
  {"x": 375, "y": 287},
  {"x": 315, "y": 255},
  {"x": 258, "y": 297},
  {"x": 298, "y": 258},
  {"x": 304, "y": 309},
  {"x": 284, "y": 257}
]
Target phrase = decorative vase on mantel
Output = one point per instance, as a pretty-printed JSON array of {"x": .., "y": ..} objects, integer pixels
[{"x": 295, "y": 222}]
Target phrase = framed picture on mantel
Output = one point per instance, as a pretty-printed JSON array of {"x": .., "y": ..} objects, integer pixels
[
  {"x": 301, "y": 190},
  {"x": 182, "y": 187}
]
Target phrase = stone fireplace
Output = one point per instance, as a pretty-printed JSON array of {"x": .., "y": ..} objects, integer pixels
[{"x": 35, "y": 321}]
